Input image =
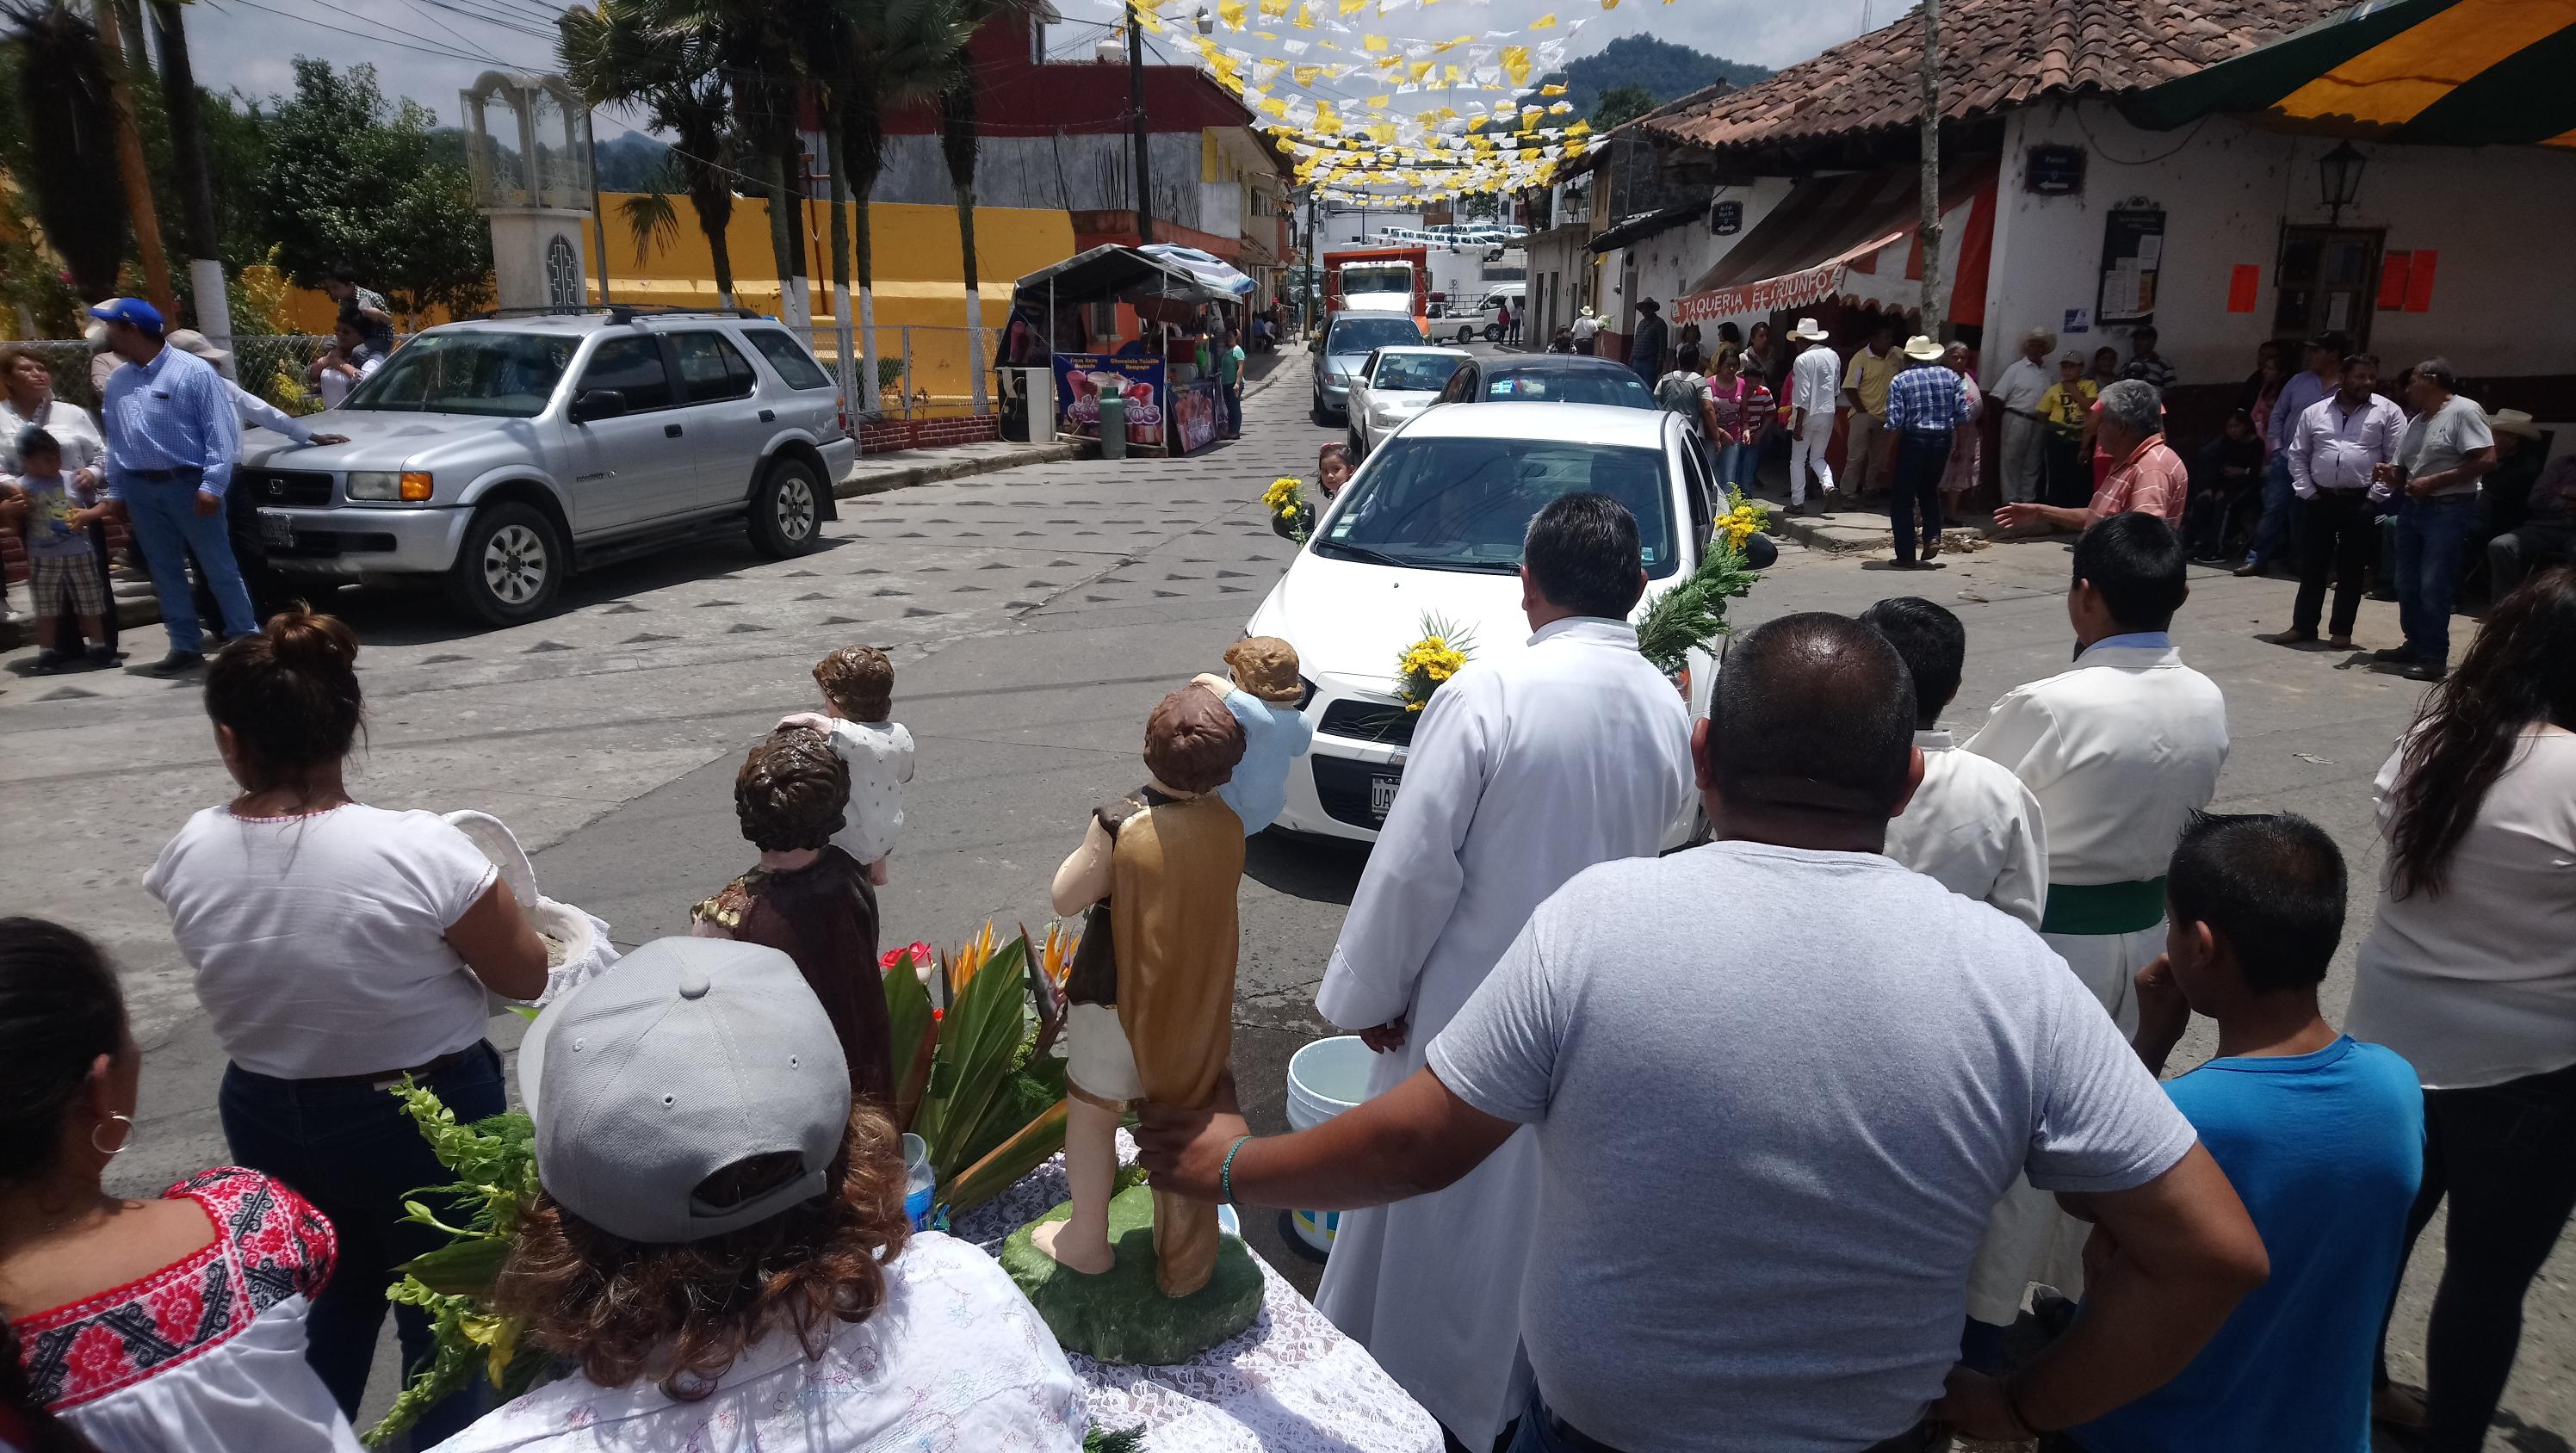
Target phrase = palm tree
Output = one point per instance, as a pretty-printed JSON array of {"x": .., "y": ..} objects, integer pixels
[
  {"x": 668, "y": 76},
  {"x": 70, "y": 119},
  {"x": 957, "y": 142}
]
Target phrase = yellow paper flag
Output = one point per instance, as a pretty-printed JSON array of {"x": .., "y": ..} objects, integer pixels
[
  {"x": 1552, "y": 88},
  {"x": 1231, "y": 12},
  {"x": 1304, "y": 19},
  {"x": 1378, "y": 103},
  {"x": 1418, "y": 69},
  {"x": 1452, "y": 74},
  {"x": 1373, "y": 44},
  {"x": 1579, "y": 128},
  {"x": 1609, "y": 4},
  {"x": 1544, "y": 22},
  {"x": 1516, "y": 63},
  {"x": 1305, "y": 75},
  {"x": 1559, "y": 108}
]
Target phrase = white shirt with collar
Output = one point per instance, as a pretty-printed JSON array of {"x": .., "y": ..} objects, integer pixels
[
  {"x": 2019, "y": 386},
  {"x": 2120, "y": 752},
  {"x": 1816, "y": 381},
  {"x": 1974, "y": 829}
]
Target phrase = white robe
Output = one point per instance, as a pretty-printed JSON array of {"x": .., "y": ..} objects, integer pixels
[
  {"x": 1523, "y": 772},
  {"x": 1974, "y": 829},
  {"x": 2120, "y": 752}
]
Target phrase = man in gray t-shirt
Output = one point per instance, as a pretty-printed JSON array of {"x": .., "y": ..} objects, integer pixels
[
  {"x": 1778, "y": 1083},
  {"x": 2439, "y": 461}
]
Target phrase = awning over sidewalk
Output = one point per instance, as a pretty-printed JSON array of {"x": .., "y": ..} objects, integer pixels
[
  {"x": 1114, "y": 272},
  {"x": 1207, "y": 267},
  {"x": 2432, "y": 72},
  {"x": 1830, "y": 231}
]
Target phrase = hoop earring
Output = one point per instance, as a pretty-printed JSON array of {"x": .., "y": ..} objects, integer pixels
[{"x": 112, "y": 1151}]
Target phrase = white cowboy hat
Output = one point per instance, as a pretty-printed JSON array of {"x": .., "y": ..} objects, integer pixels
[
  {"x": 1808, "y": 330},
  {"x": 2047, "y": 341},
  {"x": 2516, "y": 422},
  {"x": 1923, "y": 350}
]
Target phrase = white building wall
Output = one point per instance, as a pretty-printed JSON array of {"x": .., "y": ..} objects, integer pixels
[{"x": 2502, "y": 219}]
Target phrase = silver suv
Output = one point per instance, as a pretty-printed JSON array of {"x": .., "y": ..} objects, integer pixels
[{"x": 504, "y": 453}]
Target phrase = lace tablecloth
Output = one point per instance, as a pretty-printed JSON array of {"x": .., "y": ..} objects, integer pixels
[{"x": 1290, "y": 1383}]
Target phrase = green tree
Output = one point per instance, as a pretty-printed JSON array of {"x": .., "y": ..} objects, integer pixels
[
  {"x": 891, "y": 53},
  {"x": 670, "y": 78},
  {"x": 1621, "y": 103},
  {"x": 350, "y": 180}
]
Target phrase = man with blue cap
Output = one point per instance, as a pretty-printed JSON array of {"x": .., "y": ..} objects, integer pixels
[{"x": 172, "y": 436}]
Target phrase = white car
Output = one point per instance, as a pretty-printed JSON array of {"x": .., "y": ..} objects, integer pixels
[
  {"x": 1431, "y": 526},
  {"x": 1394, "y": 385},
  {"x": 1485, "y": 319}
]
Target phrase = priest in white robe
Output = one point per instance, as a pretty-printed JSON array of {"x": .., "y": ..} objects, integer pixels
[
  {"x": 2120, "y": 751},
  {"x": 1524, "y": 770}
]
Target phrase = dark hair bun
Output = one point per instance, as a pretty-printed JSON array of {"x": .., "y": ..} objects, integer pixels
[
  {"x": 290, "y": 694},
  {"x": 301, "y": 640}
]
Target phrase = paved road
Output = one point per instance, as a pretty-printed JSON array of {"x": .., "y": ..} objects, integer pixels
[{"x": 1035, "y": 615}]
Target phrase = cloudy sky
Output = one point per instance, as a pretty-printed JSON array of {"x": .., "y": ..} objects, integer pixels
[{"x": 431, "y": 49}]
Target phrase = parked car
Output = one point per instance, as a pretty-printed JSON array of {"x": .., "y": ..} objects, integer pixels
[
  {"x": 1565, "y": 378},
  {"x": 1432, "y": 525},
  {"x": 500, "y": 455},
  {"x": 1483, "y": 319},
  {"x": 1346, "y": 342},
  {"x": 1392, "y": 386}
]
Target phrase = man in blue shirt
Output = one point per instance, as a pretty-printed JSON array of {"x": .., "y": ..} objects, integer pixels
[
  {"x": 2321, "y": 1135},
  {"x": 172, "y": 436},
  {"x": 1925, "y": 407},
  {"x": 2277, "y": 535}
]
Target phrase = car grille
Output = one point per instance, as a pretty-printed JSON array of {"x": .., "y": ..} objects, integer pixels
[
  {"x": 1369, "y": 721},
  {"x": 1347, "y": 789},
  {"x": 286, "y": 486}
]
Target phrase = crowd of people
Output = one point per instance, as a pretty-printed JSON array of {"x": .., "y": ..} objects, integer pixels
[{"x": 1762, "y": 1143}]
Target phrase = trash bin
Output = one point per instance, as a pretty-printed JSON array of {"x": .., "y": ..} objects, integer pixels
[{"x": 1113, "y": 426}]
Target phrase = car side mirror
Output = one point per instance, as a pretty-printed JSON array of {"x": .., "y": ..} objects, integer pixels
[{"x": 597, "y": 403}]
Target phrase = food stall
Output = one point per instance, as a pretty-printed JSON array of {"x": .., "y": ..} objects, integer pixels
[{"x": 1172, "y": 405}]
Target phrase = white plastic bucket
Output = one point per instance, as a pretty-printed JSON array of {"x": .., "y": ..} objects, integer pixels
[{"x": 1324, "y": 1079}]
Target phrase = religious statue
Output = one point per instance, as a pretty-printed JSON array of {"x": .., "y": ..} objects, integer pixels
[{"x": 1152, "y": 987}]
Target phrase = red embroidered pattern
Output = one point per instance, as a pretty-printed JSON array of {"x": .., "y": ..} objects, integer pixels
[{"x": 270, "y": 1244}]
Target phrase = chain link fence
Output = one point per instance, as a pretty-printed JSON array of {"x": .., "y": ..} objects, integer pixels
[{"x": 922, "y": 372}]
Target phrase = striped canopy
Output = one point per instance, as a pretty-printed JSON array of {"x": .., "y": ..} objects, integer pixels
[{"x": 2432, "y": 72}]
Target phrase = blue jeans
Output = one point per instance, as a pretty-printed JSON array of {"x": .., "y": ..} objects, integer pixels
[
  {"x": 2276, "y": 535},
  {"x": 1734, "y": 465},
  {"x": 1234, "y": 411},
  {"x": 2431, "y": 533},
  {"x": 1920, "y": 461},
  {"x": 352, "y": 1152},
  {"x": 168, "y": 529}
]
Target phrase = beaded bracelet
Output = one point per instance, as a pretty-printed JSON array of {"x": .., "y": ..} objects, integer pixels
[{"x": 1225, "y": 1177}]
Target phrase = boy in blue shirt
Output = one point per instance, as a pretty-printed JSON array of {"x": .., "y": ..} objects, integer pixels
[
  {"x": 2321, "y": 1135},
  {"x": 1263, "y": 691}
]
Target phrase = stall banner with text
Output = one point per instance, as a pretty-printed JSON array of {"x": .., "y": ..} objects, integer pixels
[{"x": 1081, "y": 379}]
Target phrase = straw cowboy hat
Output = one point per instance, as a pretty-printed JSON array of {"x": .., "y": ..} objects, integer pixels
[
  {"x": 2046, "y": 340},
  {"x": 2515, "y": 422},
  {"x": 1923, "y": 350},
  {"x": 189, "y": 340},
  {"x": 1808, "y": 331}
]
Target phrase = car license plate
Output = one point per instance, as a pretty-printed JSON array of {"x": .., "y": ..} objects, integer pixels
[
  {"x": 276, "y": 529},
  {"x": 1382, "y": 794}
]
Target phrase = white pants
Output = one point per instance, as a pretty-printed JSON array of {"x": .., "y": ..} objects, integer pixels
[
  {"x": 2025, "y": 461},
  {"x": 2030, "y": 1239},
  {"x": 1809, "y": 445}
]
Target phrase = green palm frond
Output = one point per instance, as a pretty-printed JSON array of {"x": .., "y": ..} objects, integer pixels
[{"x": 651, "y": 220}]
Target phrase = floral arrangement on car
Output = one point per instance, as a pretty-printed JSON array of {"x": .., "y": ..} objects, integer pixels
[
  {"x": 1286, "y": 499},
  {"x": 1425, "y": 666},
  {"x": 1693, "y": 613},
  {"x": 972, "y": 1035}
]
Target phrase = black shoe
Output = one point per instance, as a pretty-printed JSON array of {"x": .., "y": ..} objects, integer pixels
[
  {"x": 2426, "y": 671},
  {"x": 105, "y": 655},
  {"x": 47, "y": 662},
  {"x": 2395, "y": 655},
  {"x": 2250, "y": 567},
  {"x": 177, "y": 663}
]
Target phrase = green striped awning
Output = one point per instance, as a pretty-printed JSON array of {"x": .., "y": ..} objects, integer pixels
[{"x": 2432, "y": 72}]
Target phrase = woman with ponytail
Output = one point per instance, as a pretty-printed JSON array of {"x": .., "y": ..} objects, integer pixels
[
  {"x": 2469, "y": 971},
  {"x": 138, "y": 1326},
  {"x": 338, "y": 948}
]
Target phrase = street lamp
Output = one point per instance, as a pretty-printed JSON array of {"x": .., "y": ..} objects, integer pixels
[{"x": 2340, "y": 172}]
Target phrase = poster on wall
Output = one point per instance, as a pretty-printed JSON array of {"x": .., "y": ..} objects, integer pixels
[
  {"x": 2133, "y": 245},
  {"x": 1195, "y": 409},
  {"x": 1082, "y": 378}
]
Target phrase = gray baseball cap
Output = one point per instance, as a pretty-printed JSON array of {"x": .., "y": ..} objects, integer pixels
[{"x": 688, "y": 1056}]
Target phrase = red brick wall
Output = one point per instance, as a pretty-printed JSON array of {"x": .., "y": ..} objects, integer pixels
[{"x": 888, "y": 435}]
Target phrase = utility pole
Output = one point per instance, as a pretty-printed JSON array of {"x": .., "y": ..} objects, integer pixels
[
  {"x": 1929, "y": 229},
  {"x": 129, "y": 165},
  {"x": 196, "y": 187},
  {"x": 1136, "y": 109}
]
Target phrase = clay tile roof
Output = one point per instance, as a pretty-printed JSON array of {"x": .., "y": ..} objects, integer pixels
[{"x": 1995, "y": 54}]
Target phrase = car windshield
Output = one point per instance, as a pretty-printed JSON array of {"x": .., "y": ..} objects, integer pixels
[
  {"x": 1359, "y": 335},
  {"x": 1464, "y": 504},
  {"x": 1571, "y": 386},
  {"x": 1377, "y": 280},
  {"x": 1414, "y": 371},
  {"x": 511, "y": 375}
]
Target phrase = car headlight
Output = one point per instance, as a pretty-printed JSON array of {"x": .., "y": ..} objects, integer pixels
[{"x": 411, "y": 486}]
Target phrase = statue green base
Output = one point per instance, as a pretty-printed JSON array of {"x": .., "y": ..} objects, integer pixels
[{"x": 1120, "y": 1316}]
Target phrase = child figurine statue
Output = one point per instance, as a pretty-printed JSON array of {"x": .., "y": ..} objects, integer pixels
[
  {"x": 1158, "y": 1023},
  {"x": 807, "y": 898},
  {"x": 858, "y": 715},
  {"x": 1263, "y": 692}
]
